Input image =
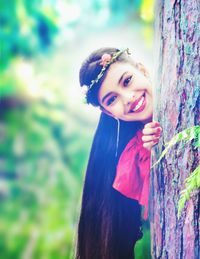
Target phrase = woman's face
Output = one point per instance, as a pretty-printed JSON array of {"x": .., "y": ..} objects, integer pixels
[{"x": 126, "y": 93}]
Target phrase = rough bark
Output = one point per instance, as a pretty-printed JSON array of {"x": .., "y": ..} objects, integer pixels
[{"x": 177, "y": 107}]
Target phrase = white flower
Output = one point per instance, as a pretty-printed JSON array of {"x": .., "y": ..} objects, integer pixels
[{"x": 84, "y": 89}]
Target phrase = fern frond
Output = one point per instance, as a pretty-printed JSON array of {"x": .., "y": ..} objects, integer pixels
[
  {"x": 186, "y": 136},
  {"x": 191, "y": 183}
]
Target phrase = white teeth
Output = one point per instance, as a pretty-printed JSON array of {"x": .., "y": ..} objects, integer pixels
[{"x": 138, "y": 105}]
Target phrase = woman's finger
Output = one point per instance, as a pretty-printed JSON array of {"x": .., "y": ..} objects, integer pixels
[
  {"x": 150, "y": 131},
  {"x": 149, "y": 145},
  {"x": 152, "y": 124},
  {"x": 148, "y": 138}
]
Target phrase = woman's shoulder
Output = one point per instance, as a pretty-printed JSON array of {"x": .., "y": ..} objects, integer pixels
[
  {"x": 134, "y": 147},
  {"x": 136, "y": 141}
]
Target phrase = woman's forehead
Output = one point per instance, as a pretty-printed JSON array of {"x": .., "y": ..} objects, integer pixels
[{"x": 115, "y": 72}]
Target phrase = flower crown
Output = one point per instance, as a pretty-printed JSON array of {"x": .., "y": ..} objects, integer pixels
[{"x": 106, "y": 60}]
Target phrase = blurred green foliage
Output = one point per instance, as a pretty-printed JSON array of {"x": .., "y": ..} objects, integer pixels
[
  {"x": 44, "y": 141},
  {"x": 142, "y": 248},
  {"x": 41, "y": 182},
  {"x": 26, "y": 28}
]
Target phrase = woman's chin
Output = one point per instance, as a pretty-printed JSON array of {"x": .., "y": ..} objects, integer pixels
[{"x": 144, "y": 119}]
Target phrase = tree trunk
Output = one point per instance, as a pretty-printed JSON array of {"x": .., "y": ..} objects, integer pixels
[{"x": 177, "y": 105}]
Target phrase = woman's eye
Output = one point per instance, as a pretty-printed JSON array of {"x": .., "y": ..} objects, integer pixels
[
  {"x": 127, "y": 81},
  {"x": 111, "y": 100}
]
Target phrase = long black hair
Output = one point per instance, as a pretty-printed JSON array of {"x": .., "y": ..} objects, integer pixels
[{"x": 110, "y": 223}]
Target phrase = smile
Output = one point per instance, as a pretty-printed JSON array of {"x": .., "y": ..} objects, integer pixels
[{"x": 138, "y": 105}]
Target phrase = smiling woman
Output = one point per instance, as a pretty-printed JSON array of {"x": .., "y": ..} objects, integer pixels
[
  {"x": 126, "y": 93},
  {"x": 116, "y": 183}
]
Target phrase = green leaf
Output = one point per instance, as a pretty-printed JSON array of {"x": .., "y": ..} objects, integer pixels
[
  {"x": 186, "y": 136},
  {"x": 191, "y": 183}
]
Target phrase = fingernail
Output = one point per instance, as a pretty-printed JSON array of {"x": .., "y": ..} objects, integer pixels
[{"x": 158, "y": 130}]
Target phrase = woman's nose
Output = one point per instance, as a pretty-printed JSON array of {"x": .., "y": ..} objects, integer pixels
[{"x": 127, "y": 97}]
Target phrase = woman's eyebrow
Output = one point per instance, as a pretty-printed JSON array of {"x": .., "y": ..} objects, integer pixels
[
  {"x": 121, "y": 78},
  {"x": 103, "y": 99}
]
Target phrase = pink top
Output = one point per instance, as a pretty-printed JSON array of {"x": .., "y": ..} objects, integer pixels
[{"x": 133, "y": 172}]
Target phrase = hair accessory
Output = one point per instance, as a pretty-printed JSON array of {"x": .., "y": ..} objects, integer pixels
[
  {"x": 84, "y": 90},
  {"x": 106, "y": 60}
]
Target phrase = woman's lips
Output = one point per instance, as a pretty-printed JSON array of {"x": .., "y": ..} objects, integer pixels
[{"x": 138, "y": 105}]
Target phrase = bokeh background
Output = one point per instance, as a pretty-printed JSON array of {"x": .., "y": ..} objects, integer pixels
[{"x": 45, "y": 128}]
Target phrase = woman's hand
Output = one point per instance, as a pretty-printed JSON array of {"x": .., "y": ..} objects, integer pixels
[{"x": 151, "y": 134}]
